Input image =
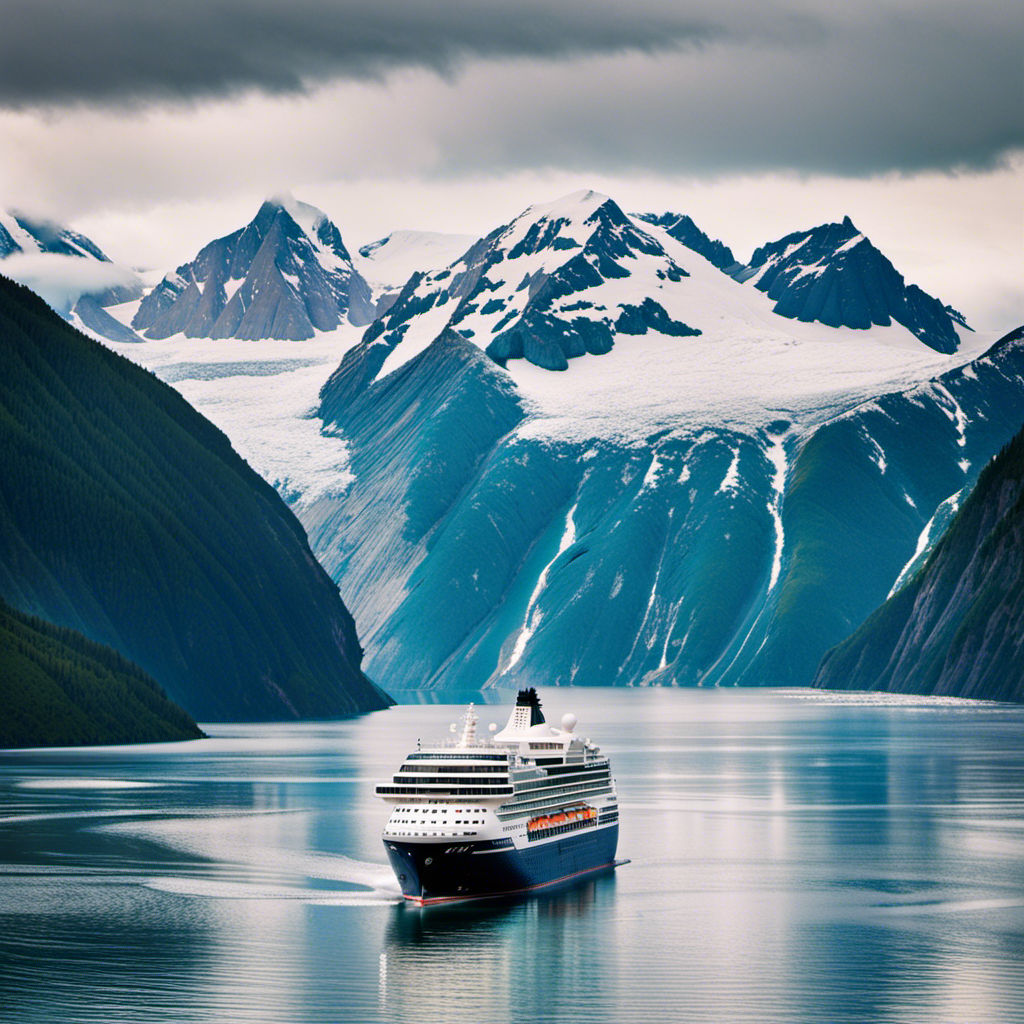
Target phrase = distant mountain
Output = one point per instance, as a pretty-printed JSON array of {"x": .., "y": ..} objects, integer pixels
[
  {"x": 127, "y": 516},
  {"x": 285, "y": 275},
  {"x": 833, "y": 275},
  {"x": 692, "y": 498},
  {"x": 59, "y": 689},
  {"x": 957, "y": 627}
]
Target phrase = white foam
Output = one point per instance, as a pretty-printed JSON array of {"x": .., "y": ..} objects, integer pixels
[{"x": 75, "y": 783}]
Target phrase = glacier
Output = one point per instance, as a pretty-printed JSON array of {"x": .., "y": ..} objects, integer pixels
[{"x": 509, "y": 490}]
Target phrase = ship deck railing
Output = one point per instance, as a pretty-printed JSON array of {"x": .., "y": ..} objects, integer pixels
[{"x": 557, "y": 830}]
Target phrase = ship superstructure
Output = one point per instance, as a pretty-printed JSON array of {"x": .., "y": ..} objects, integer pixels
[{"x": 528, "y": 807}]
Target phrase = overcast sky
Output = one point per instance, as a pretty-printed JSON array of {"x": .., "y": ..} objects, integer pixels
[{"x": 157, "y": 126}]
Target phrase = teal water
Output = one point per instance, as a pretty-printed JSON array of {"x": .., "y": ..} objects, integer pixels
[{"x": 794, "y": 857}]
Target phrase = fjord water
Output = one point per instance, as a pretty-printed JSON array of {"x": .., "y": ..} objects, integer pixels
[{"x": 795, "y": 856}]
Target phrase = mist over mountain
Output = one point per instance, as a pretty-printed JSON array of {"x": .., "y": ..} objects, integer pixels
[{"x": 70, "y": 271}]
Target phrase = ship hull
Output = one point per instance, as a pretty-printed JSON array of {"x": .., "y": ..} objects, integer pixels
[{"x": 440, "y": 873}]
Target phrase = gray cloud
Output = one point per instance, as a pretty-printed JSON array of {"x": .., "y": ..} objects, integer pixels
[
  {"x": 919, "y": 95},
  {"x": 113, "y": 51},
  {"x": 491, "y": 86}
]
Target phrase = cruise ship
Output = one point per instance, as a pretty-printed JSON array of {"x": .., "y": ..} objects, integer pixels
[{"x": 524, "y": 809}]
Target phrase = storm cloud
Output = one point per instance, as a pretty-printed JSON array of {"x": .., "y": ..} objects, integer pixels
[
  {"x": 112, "y": 51},
  {"x": 670, "y": 86}
]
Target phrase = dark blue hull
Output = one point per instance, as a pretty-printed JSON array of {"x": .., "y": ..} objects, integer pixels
[{"x": 439, "y": 872}]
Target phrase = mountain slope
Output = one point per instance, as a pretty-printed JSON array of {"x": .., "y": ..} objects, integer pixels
[
  {"x": 59, "y": 689},
  {"x": 682, "y": 228},
  {"x": 285, "y": 275},
  {"x": 957, "y": 628},
  {"x": 695, "y": 507},
  {"x": 390, "y": 261},
  {"x": 124, "y": 514}
]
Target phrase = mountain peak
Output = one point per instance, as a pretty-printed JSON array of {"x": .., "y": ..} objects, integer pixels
[
  {"x": 832, "y": 274},
  {"x": 285, "y": 275},
  {"x": 305, "y": 215}
]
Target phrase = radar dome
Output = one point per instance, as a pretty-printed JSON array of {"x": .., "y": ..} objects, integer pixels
[{"x": 568, "y": 722}]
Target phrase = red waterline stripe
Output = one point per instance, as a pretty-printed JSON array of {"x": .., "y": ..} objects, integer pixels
[{"x": 420, "y": 902}]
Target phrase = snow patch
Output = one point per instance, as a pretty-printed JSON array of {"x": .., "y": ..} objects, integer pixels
[
  {"x": 731, "y": 482},
  {"x": 532, "y": 619},
  {"x": 776, "y": 455},
  {"x": 946, "y": 510},
  {"x": 876, "y": 452},
  {"x": 856, "y": 240}
]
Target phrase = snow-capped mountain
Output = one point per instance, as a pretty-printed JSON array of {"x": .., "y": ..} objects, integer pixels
[
  {"x": 286, "y": 275},
  {"x": 70, "y": 271},
  {"x": 708, "y": 492},
  {"x": 516, "y": 291},
  {"x": 832, "y": 274}
]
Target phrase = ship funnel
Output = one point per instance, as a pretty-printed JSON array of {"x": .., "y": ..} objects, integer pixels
[{"x": 527, "y": 711}]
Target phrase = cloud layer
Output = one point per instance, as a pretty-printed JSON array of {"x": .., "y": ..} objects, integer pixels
[
  {"x": 667, "y": 85},
  {"x": 65, "y": 51}
]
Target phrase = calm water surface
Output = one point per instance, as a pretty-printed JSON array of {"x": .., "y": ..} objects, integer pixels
[{"x": 795, "y": 857}]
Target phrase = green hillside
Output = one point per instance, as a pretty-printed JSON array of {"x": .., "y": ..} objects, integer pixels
[
  {"x": 126, "y": 515},
  {"x": 59, "y": 689}
]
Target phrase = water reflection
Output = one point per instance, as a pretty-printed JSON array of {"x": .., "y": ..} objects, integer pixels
[
  {"x": 794, "y": 858},
  {"x": 536, "y": 959}
]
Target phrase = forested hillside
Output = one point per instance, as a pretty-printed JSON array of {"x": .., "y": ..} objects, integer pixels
[
  {"x": 59, "y": 689},
  {"x": 128, "y": 516}
]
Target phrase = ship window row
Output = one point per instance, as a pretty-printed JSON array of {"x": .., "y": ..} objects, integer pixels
[
  {"x": 446, "y": 809},
  {"x": 587, "y": 766},
  {"x": 423, "y": 821},
  {"x": 448, "y": 791},
  {"x": 462, "y": 769},
  {"x": 559, "y": 770},
  {"x": 449, "y": 757},
  {"x": 513, "y": 808},
  {"x": 443, "y": 833},
  {"x": 554, "y": 792},
  {"x": 551, "y": 783},
  {"x": 449, "y": 780}
]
